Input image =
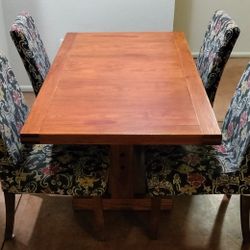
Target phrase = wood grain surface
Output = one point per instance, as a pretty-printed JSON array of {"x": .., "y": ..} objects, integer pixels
[{"x": 122, "y": 88}]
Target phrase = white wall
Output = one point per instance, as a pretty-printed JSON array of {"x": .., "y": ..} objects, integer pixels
[
  {"x": 3, "y": 41},
  {"x": 192, "y": 17},
  {"x": 56, "y": 17}
]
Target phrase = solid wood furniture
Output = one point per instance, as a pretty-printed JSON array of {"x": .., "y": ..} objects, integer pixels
[{"x": 122, "y": 89}]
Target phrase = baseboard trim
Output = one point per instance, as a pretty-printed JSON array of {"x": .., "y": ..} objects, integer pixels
[
  {"x": 233, "y": 55},
  {"x": 26, "y": 88},
  {"x": 240, "y": 54}
]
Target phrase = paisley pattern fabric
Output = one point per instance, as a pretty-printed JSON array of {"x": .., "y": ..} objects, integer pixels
[
  {"x": 31, "y": 49},
  {"x": 59, "y": 169},
  {"x": 197, "y": 169},
  {"x": 236, "y": 126},
  {"x": 13, "y": 112},
  {"x": 220, "y": 38},
  {"x": 190, "y": 170},
  {"x": 79, "y": 170}
]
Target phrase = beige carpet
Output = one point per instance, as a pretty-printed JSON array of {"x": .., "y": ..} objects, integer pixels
[{"x": 198, "y": 222}]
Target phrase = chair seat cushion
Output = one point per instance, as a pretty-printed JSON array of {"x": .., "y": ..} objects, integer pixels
[
  {"x": 60, "y": 169},
  {"x": 189, "y": 169}
]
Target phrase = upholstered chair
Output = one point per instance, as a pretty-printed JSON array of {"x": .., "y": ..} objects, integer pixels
[
  {"x": 31, "y": 49},
  {"x": 76, "y": 170},
  {"x": 207, "y": 169},
  {"x": 219, "y": 40}
]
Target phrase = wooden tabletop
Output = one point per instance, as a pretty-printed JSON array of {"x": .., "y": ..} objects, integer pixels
[{"x": 122, "y": 88}]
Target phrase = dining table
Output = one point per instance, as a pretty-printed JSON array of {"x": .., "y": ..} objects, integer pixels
[{"x": 127, "y": 90}]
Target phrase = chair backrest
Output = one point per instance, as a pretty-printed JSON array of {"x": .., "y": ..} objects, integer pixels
[
  {"x": 219, "y": 40},
  {"x": 13, "y": 112},
  {"x": 31, "y": 49},
  {"x": 236, "y": 126}
]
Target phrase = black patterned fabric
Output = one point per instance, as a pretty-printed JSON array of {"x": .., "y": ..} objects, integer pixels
[
  {"x": 220, "y": 38},
  {"x": 31, "y": 49},
  {"x": 79, "y": 170},
  {"x": 197, "y": 169}
]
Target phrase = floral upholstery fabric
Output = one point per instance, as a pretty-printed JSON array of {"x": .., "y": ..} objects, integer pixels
[
  {"x": 31, "y": 49},
  {"x": 59, "y": 169},
  {"x": 13, "y": 112},
  {"x": 236, "y": 126},
  {"x": 197, "y": 169},
  {"x": 80, "y": 170},
  {"x": 220, "y": 38}
]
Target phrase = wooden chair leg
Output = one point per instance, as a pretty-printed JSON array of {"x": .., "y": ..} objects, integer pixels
[
  {"x": 98, "y": 217},
  {"x": 155, "y": 217},
  {"x": 227, "y": 197},
  {"x": 10, "y": 215},
  {"x": 244, "y": 217}
]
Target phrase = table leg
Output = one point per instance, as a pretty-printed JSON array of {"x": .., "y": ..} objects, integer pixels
[
  {"x": 124, "y": 174},
  {"x": 122, "y": 171}
]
